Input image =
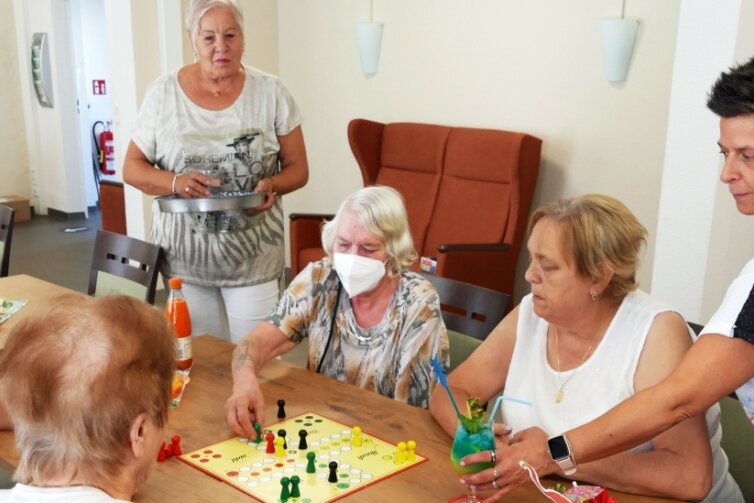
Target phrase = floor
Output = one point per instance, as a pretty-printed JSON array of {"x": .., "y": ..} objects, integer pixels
[{"x": 60, "y": 251}]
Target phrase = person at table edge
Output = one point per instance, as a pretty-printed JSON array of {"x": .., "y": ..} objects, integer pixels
[
  {"x": 719, "y": 362},
  {"x": 369, "y": 320}
]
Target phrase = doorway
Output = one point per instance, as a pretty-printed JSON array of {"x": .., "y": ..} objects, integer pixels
[{"x": 94, "y": 102}]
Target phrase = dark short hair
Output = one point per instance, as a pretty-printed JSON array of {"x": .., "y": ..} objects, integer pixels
[{"x": 732, "y": 94}]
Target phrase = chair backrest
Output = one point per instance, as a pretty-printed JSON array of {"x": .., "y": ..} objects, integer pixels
[
  {"x": 738, "y": 444},
  {"x": 469, "y": 309},
  {"x": 122, "y": 264},
  {"x": 6, "y": 236},
  {"x": 409, "y": 158},
  {"x": 471, "y": 187}
]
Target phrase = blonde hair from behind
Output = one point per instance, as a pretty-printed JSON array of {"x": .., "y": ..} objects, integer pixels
[
  {"x": 598, "y": 230},
  {"x": 381, "y": 211},
  {"x": 74, "y": 379}
]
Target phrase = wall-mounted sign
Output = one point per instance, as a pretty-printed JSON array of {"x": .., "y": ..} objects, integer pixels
[{"x": 98, "y": 87}]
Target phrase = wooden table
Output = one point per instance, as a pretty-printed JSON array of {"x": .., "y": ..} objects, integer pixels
[
  {"x": 37, "y": 292},
  {"x": 200, "y": 420}
]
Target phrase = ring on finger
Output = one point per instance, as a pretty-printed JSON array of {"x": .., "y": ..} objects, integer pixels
[
  {"x": 494, "y": 484},
  {"x": 493, "y": 456},
  {"x": 495, "y": 475},
  {"x": 186, "y": 189}
]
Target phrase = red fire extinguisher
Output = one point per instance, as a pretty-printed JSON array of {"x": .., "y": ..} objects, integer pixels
[{"x": 106, "y": 152}]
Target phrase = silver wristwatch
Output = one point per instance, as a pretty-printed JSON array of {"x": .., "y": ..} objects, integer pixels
[{"x": 560, "y": 452}]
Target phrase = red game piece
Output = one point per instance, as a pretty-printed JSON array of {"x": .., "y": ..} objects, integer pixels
[
  {"x": 175, "y": 444},
  {"x": 161, "y": 456},
  {"x": 270, "y": 437}
]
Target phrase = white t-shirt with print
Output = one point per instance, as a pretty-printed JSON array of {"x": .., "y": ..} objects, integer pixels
[{"x": 221, "y": 248}]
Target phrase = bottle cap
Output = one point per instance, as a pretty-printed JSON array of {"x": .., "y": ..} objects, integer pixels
[{"x": 175, "y": 283}]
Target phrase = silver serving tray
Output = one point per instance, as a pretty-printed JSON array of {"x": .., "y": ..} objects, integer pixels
[{"x": 222, "y": 201}]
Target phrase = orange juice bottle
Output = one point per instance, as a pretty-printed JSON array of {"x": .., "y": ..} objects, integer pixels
[{"x": 177, "y": 313}]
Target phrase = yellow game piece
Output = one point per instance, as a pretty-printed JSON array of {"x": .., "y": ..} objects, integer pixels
[
  {"x": 279, "y": 449},
  {"x": 400, "y": 458},
  {"x": 356, "y": 436},
  {"x": 411, "y": 445}
]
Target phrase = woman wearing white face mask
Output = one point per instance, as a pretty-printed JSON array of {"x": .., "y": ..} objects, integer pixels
[{"x": 370, "y": 322}]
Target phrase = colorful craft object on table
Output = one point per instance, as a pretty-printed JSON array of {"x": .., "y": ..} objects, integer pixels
[
  {"x": 574, "y": 494},
  {"x": 180, "y": 380}
]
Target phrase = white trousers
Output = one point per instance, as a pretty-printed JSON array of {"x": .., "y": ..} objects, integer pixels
[{"x": 229, "y": 313}]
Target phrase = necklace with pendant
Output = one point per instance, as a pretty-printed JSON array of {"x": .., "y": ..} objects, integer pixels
[{"x": 561, "y": 385}]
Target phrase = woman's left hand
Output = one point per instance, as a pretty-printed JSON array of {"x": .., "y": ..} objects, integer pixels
[{"x": 266, "y": 186}]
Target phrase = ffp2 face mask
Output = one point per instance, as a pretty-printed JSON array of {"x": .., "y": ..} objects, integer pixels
[{"x": 358, "y": 274}]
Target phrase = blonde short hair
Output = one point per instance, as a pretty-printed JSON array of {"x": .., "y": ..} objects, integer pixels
[
  {"x": 598, "y": 230},
  {"x": 198, "y": 8},
  {"x": 75, "y": 377},
  {"x": 381, "y": 211}
]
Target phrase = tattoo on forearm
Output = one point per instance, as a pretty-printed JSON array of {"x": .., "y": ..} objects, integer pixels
[{"x": 241, "y": 354}]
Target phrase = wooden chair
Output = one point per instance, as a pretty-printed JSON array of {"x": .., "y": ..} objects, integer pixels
[
  {"x": 738, "y": 438},
  {"x": 469, "y": 312},
  {"x": 123, "y": 264},
  {"x": 6, "y": 235}
]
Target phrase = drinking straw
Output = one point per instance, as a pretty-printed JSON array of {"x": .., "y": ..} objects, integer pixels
[
  {"x": 444, "y": 381},
  {"x": 499, "y": 400}
]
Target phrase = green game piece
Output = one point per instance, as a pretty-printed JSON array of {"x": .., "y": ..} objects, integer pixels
[
  {"x": 295, "y": 492},
  {"x": 284, "y": 493},
  {"x": 258, "y": 429},
  {"x": 310, "y": 468}
]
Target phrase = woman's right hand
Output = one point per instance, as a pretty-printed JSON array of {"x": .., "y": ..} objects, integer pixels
[
  {"x": 246, "y": 405},
  {"x": 194, "y": 184}
]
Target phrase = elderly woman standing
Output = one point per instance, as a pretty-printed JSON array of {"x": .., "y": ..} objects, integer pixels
[
  {"x": 584, "y": 340},
  {"x": 369, "y": 321},
  {"x": 195, "y": 120}
]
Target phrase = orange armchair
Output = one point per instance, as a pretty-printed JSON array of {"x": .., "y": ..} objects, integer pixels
[{"x": 468, "y": 192}]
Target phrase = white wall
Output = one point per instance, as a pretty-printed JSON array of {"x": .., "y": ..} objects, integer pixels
[
  {"x": 51, "y": 132},
  {"x": 531, "y": 66},
  {"x": 15, "y": 177},
  {"x": 691, "y": 190}
]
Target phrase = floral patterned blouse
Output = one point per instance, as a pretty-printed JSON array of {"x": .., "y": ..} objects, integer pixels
[{"x": 391, "y": 358}]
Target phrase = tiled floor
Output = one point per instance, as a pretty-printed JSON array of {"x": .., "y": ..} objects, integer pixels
[
  {"x": 47, "y": 248},
  {"x": 42, "y": 248}
]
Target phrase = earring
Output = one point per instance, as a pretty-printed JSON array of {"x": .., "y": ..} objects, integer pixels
[
  {"x": 194, "y": 57},
  {"x": 594, "y": 298}
]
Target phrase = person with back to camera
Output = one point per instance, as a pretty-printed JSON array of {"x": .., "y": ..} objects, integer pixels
[
  {"x": 369, "y": 320},
  {"x": 87, "y": 387},
  {"x": 584, "y": 339},
  {"x": 219, "y": 115},
  {"x": 719, "y": 362}
]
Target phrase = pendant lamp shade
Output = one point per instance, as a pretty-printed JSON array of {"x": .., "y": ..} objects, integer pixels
[
  {"x": 618, "y": 38},
  {"x": 369, "y": 36}
]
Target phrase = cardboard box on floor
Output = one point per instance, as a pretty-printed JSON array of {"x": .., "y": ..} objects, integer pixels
[{"x": 20, "y": 205}]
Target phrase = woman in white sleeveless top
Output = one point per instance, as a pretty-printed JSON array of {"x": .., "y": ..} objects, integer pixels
[{"x": 584, "y": 340}]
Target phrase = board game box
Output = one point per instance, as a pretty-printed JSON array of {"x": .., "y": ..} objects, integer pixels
[{"x": 249, "y": 467}]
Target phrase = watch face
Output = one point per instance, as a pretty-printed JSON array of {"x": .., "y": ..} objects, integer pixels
[{"x": 558, "y": 447}]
